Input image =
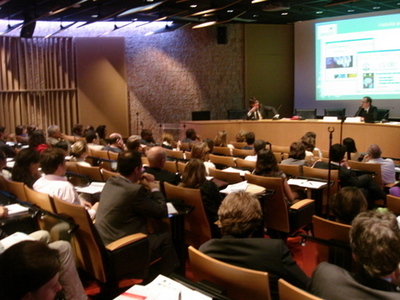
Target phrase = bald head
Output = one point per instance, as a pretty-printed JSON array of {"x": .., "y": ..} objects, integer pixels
[
  {"x": 157, "y": 157},
  {"x": 374, "y": 151}
]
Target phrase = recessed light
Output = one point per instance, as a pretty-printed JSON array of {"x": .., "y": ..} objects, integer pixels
[
  {"x": 229, "y": 11},
  {"x": 255, "y": 16},
  {"x": 376, "y": 7},
  {"x": 319, "y": 12},
  {"x": 193, "y": 5},
  {"x": 94, "y": 16},
  {"x": 350, "y": 10},
  {"x": 285, "y": 14}
]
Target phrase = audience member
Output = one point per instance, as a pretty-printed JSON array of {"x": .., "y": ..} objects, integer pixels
[
  {"x": 64, "y": 145},
  {"x": 194, "y": 176},
  {"x": 267, "y": 166},
  {"x": 387, "y": 165},
  {"x": 26, "y": 167},
  {"x": 167, "y": 141},
  {"x": 220, "y": 139},
  {"x": 241, "y": 136},
  {"x": 374, "y": 240},
  {"x": 3, "y": 163},
  {"x": 102, "y": 134},
  {"x": 133, "y": 143},
  {"x": 54, "y": 134},
  {"x": 210, "y": 144},
  {"x": 351, "y": 153},
  {"x": 127, "y": 202},
  {"x": 21, "y": 134},
  {"x": 88, "y": 128},
  {"x": 31, "y": 128},
  {"x": 147, "y": 138},
  {"x": 367, "y": 108},
  {"x": 250, "y": 138},
  {"x": 297, "y": 155},
  {"x": 54, "y": 182},
  {"x": 157, "y": 157},
  {"x": 92, "y": 140},
  {"x": 309, "y": 143},
  {"x": 79, "y": 152},
  {"x": 258, "y": 145},
  {"x": 115, "y": 144},
  {"x": 77, "y": 130},
  {"x": 191, "y": 136},
  {"x": 37, "y": 141},
  {"x": 201, "y": 151},
  {"x": 8, "y": 150},
  {"x": 33, "y": 270},
  {"x": 240, "y": 216},
  {"x": 347, "y": 177},
  {"x": 347, "y": 203}
]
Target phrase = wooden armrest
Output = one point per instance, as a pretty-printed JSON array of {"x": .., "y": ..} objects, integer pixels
[
  {"x": 301, "y": 203},
  {"x": 122, "y": 242},
  {"x": 390, "y": 185}
]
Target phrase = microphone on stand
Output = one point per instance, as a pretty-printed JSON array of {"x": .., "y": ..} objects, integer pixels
[
  {"x": 276, "y": 117},
  {"x": 358, "y": 111},
  {"x": 384, "y": 120}
]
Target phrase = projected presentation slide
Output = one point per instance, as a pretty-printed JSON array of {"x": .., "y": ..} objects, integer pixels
[{"x": 358, "y": 57}]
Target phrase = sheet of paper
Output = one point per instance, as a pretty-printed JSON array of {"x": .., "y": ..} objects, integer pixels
[
  {"x": 93, "y": 188},
  {"x": 16, "y": 209},
  {"x": 162, "y": 288},
  {"x": 307, "y": 183},
  {"x": 171, "y": 209},
  {"x": 241, "y": 186}
]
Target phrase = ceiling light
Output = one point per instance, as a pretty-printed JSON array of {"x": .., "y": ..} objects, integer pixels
[
  {"x": 319, "y": 12},
  {"x": 284, "y": 14},
  {"x": 229, "y": 11},
  {"x": 376, "y": 7},
  {"x": 193, "y": 6},
  {"x": 205, "y": 24},
  {"x": 94, "y": 16},
  {"x": 257, "y": 1},
  {"x": 350, "y": 10}
]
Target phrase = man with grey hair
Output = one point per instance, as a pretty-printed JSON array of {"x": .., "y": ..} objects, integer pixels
[
  {"x": 387, "y": 165},
  {"x": 133, "y": 142},
  {"x": 375, "y": 243},
  {"x": 157, "y": 157}
]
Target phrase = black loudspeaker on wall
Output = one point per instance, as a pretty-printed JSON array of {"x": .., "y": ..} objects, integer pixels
[
  {"x": 222, "y": 35},
  {"x": 29, "y": 26}
]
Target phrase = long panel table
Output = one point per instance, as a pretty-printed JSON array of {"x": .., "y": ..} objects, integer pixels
[{"x": 284, "y": 132}]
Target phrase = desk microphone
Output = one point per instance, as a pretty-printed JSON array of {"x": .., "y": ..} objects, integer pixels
[
  {"x": 276, "y": 117},
  {"x": 358, "y": 111},
  {"x": 384, "y": 120}
]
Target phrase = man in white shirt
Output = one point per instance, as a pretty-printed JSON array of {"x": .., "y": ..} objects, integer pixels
[
  {"x": 54, "y": 182},
  {"x": 387, "y": 165}
]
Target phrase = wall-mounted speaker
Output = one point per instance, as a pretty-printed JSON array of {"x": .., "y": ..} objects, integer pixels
[
  {"x": 222, "y": 35},
  {"x": 29, "y": 26}
]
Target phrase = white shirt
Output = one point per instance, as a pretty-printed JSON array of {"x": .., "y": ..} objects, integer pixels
[
  {"x": 251, "y": 158},
  {"x": 58, "y": 186},
  {"x": 387, "y": 167}
]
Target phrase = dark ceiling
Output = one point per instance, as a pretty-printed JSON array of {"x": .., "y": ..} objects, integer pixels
[{"x": 183, "y": 11}]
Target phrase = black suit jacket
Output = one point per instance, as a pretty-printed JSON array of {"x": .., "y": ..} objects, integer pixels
[
  {"x": 164, "y": 175},
  {"x": 268, "y": 255},
  {"x": 331, "y": 282},
  {"x": 267, "y": 112},
  {"x": 373, "y": 111}
]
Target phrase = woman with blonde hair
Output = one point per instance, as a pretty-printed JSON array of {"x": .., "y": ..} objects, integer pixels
[
  {"x": 202, "y": 152},
  {"x": 194, "y": 177},
  {"x": 79, "y": 151},
  {"x": 220, "y": 139}
]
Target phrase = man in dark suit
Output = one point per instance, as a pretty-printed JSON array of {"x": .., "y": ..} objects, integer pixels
[
  {"x": 157, "y": 157},
  {"x": 127, "y": 202},
  {"x": 348, "y": 177},
  {"x": 257, "y": 111},
  {"x": 367, "y": 109},
  {"x": 239, "y": 216},
  {"x": 375, "y": 240}
]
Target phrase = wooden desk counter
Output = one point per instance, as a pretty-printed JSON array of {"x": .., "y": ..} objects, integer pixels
[{"x": 284, "y": 132}]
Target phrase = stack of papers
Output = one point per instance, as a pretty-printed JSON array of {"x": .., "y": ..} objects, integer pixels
[
  {"x": 233, "y": 170},
  {"x": 162, "y": 288},
  {"x": 16, "y": 208},
  {"x": 307, "y": 183},
  {"x": 93, "y": 188},
  {"x": 241, "y": 186}
]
